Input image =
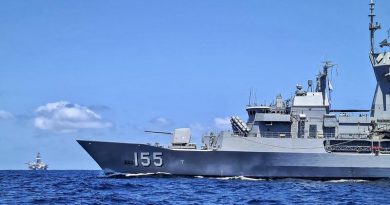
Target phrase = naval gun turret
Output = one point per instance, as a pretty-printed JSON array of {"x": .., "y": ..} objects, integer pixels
[{"x": 181, "y": 138}]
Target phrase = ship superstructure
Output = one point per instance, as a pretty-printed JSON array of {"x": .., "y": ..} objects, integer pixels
[
  {"x": 38, "y": 164},
  {"x": 302, "y": 136}
]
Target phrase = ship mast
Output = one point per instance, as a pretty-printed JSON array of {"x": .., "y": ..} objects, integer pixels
[
  {"x": 380, "y": 62},
  {"x": 373, "y": 26}
]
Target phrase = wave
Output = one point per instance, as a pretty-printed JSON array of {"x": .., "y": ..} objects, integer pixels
[
  {"x": 347, "y": 181},
  {"x": 147, "y": 174},
  {"x": 240, "y": 178},
  {"x": 131, "y": 175},
  {"x": 231, "y": 178}
]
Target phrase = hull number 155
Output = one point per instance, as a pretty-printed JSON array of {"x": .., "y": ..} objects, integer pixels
[{"x": 146, "y": 159}]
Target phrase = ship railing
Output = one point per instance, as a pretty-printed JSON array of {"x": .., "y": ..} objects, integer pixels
[
  {"x": 385, "y": 150},
  {"x": 318, "y": 135},
  {"x": 352, "y": 135},
  {"x": 275, "y": 134},
  {"x": 326, "y": 135},
  {"x": 346, "y": 148},
  {"x": 357, "y": 148}
]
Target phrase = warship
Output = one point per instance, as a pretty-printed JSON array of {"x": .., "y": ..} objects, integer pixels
[
  {"x": 38, "y": 164},
  {"x": 299, "y": 137}
]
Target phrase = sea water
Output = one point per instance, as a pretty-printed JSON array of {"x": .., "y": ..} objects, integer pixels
[{"x": 91, "y": 187}]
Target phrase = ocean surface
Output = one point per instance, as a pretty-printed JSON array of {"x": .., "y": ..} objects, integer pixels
[{"x": 91, "y": 187}]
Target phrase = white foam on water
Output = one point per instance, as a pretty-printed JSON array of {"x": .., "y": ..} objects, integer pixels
[
  {"x": 139, "y": 174},
  {"x": 113, "y": 175},
  {"x": 163, "y": 173},
  {"x": 146, "y": 174},
  {"x": 347, "y": 181},
  {"x": 251, "y": 179},
  {"x": 240, "y": 178},
  {"x": 199, "y": 177}
]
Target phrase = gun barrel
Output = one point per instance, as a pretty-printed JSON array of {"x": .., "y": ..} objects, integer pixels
[{"x": 158, "y": 132}]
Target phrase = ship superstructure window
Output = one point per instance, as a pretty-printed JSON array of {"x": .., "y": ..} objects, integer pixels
[
  {"x": 264, "y": 110},
  {"x": 313, "y": 131}
]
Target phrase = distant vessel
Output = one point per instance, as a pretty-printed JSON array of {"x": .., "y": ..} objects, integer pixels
[
  {"x": 38, "y": 164},
  {"x": 301, "y": 137}
]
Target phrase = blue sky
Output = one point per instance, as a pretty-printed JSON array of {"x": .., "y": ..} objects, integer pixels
[{"x": 107, "y": 70}]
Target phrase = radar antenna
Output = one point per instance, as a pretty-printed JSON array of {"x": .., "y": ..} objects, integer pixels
[
  {"x": 385, "y": 42},
  {"x": 323, "y": 83},
  {"x": 250, "y": 97},
  {"x": 373, "y": 26},
  {"x": 388, "y": 33},
  {"x": 255, "y": 98}
]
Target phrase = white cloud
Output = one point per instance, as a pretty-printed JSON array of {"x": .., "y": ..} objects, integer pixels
[
  {"x": 5, "y": 115},
  {"x": 222, "y": 123},
  {"x": 63, "y": 116},
  {"x": 197, "y": 127},
  {"x": 161, "y": 121}
]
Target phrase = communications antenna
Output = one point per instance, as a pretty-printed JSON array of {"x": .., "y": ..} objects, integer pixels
[{"x": 373, "y": 26}]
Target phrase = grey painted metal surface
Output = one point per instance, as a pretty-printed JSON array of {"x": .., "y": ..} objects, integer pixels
[
  {"x": 297, "y": 137},
  {"x": 119, "y": 158}
]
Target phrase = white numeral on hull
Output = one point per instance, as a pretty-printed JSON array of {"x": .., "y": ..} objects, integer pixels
[
  {"x": 157, "y": 157},
  {"x": 146, "y": 158}
]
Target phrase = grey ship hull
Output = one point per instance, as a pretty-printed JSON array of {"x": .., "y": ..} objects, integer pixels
[{"x": 119, "y": 158}]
